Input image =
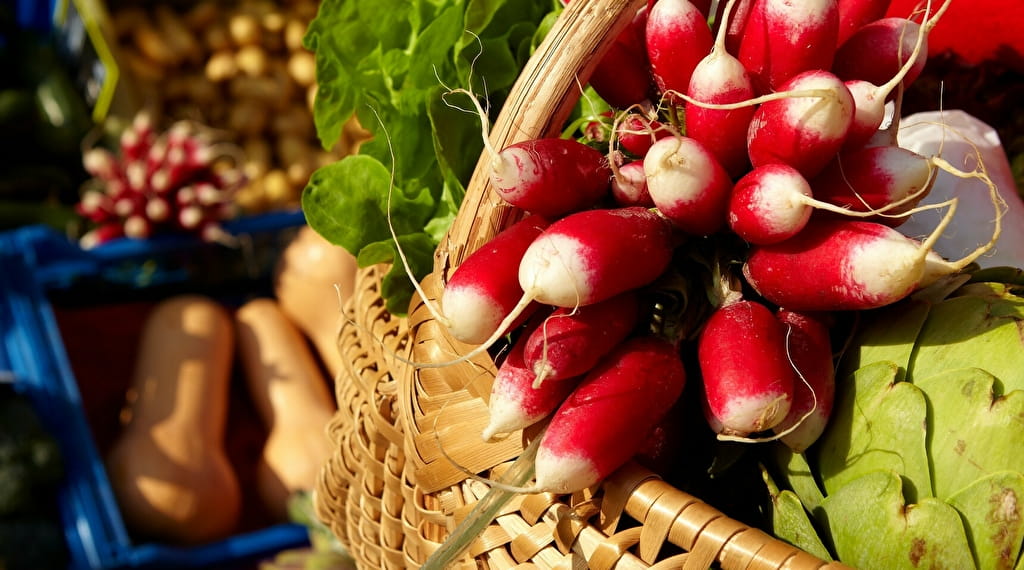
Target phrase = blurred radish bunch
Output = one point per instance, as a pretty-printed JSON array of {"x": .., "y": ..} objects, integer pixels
[{"x": 180, "y": 180}]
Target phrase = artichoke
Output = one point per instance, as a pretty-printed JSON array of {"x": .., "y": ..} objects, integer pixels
[{"x": 922, "y": 464}]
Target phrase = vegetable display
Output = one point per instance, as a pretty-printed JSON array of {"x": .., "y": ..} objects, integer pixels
[{"x": 723, "y": 216}]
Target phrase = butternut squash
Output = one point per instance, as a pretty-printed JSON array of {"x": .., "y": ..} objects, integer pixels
[
  {"x": 292, "y": 397},
  {"x": 168, "y": 468},
  {"x": 309, "y": 269}
]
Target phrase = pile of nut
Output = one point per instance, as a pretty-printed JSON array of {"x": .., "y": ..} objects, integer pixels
[{"x": 240, "y": 68}]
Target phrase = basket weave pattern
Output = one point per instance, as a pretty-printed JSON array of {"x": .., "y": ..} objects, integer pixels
[{"x": 392, "y": 491}]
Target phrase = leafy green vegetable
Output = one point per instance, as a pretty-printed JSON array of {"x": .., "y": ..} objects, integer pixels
[{"x": 390, "y": 63}]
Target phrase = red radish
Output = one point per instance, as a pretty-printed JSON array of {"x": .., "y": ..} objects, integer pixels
[
  {"x": 606, "y": 420},
  {"x": 594, "y": 255},
  {"x": 688, "y": 185},
  {"x": 736, "y": 23},
  {"x": 636, "y": 133},
  {"x": 585, "y": 258},
  {"x": 622, "y": 78},
  {"x": 804, "y": 132},
  {"x": 516, "y": 402},
  {"x": 678, "y": 37},
  {"x": 876, "y": 52},
  {"x": 874, "y": 178},
  {"x": 101, "y": 235},
  {"x": 810, "y": 351},
  {"x": 629, "y": 187},
  {"x": 551, "y": 176},
  {"x": 783, "y": 38},
  {"x": 571, "y": 341},
  {"x": 850, "y": 265},
  {"x": 721, "y": 78},
  {"x": 748, "y": 381},
  {"x": 484, "y": 289},
  {"x": 769, "y": 204},
  {"x": 853, "y": 14},
  {"x": 869, "y": 99}
]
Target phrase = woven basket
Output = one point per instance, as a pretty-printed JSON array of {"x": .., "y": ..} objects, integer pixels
[{"x": 392, "y": 496}]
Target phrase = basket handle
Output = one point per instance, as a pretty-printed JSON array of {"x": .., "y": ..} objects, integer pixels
[{"x": 537, "y": 106}]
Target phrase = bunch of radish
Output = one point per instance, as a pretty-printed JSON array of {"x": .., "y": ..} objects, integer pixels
[
  {"x": 749, "y": 135},
  {"x": 180, "y": 180}
]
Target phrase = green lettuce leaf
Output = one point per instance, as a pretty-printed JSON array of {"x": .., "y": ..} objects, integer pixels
[{"x": 389, "y": 63}]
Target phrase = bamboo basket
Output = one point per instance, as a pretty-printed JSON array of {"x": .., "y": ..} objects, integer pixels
[{"x": 392, "y": 496}]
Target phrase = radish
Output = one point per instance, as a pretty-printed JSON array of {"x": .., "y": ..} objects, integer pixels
[
  {"x": 748, "y": 381},
  {"x": 547, "y": 176},
  {"x": 636, "y": 133},
  {"x": 870, "y": 100},
  {"x": 721, "y": 78},
  {"x": 853, "y": 14},
  {"x": 810, "y": 351},
  {"x": 876, "y": 52},
  {"x": 483, "y": 290},
  {"x": 606, "y": 420},
  {"x": 850, "y": 265},
  {"x": 594, "y": 255},
  {"x": 622, "y": 78},
  {"x": 571, "y": 341},
  {"x": 585, "y": 258},
  {"x": 551, "y": 176},
  {"x": 678, "y": 37},
  {"x": 872, "y": 178},
  {"x": 688, "y": 185},
  {"x": 629, "y": 187},
  {"x": 804, "y": 132},
  {"x": 783, "y": 38},
  {"x": 516, "y": 402}
]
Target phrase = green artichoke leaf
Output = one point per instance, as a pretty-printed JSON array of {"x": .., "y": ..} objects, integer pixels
[
  {"x": 981, "y": 325},
  {"x": 878, "y": 423},
  {"x": 973, "y": 431},
  {"x": 993, "y": 513},
  {"x": 790, "y": 521},
  {"x": 873, "y": 526},
  {"x": 886, "y": 334},
  {"x": 797, "y": 475}
]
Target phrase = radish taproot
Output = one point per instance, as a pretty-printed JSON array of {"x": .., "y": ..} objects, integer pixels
[
  {"x": 483, "y": 290},
  {"x": 804, "y": 132},
  {"x": 516, "y": 402},
  {"x": 747, "y": 379},
  {"x": 678, "y": 37},
  {"x": 606, "y": 420},
  {"x": 721, "y": 78},
  {"x": 571, "y": 341},
  {"x": 810, "y": 352},
  {"x": 782, "y": 39},
  {"x": 688, "y": 185}
]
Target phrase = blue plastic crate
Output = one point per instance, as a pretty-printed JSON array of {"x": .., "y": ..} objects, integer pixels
[{"x": 37, "y": 264}]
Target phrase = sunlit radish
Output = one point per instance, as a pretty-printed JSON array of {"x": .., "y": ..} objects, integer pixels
[
  {"x": 688, "y": 185},
  {"x": 783, "y": 38}
]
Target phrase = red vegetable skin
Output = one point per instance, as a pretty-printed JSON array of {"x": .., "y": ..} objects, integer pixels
[
  {"x": 622, "y": 77},
  {"x": 842, "y": 265},
  {"x": 608, "y": 417},
  {"x": 629, "y": 187},
  {"x": 810, "y": 351},
  {"x": 804, "y": 132},
  {"x": 484, "y": 289},
  {"x": 769, "y": 204},
  {"x": 571, "y": 341},
  {"x": 678, "y": 37},
  {"x": 515, "y": 402},
  {"x": 748, "y": 381},
  {"x": 875, "y": 177},
  {"x": 876, "y": 52},
  {"x": 551, "y": 176},
  {"x": 783, "y": 38},
  {"x": 594, "y": 255},
  {"x": 688, "y": 185},
  {"x": 720, "y": 78},
  {"x": 853, "y": 14}
]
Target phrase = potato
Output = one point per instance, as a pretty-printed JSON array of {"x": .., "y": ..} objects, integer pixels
[
  {"x": 202, "y": 15},
  {"x": 302, "y": 67},
  {"x": 247, "y": 117},
  {"x": 216, "y": 38},
  {"x": 251, "y": 60},
  {"x": 244, "y": 29},
  {"x": 221, "y": 66},
  {"x": 294, "y": 31}
]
